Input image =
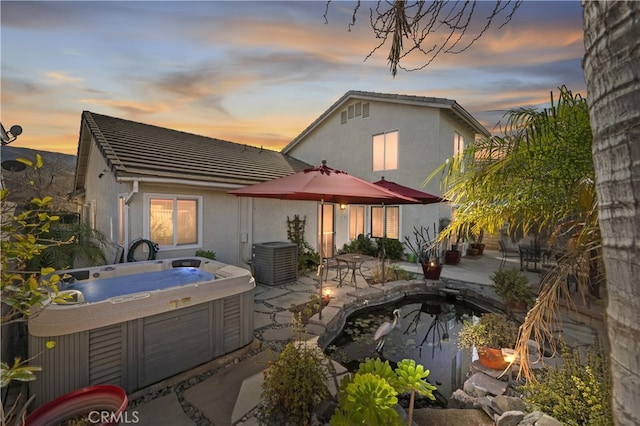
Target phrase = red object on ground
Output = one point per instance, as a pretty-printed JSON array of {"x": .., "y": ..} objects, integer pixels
[{"x": 106, "y": 403}]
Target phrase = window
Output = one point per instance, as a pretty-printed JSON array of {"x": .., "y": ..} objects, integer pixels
[
  {"x": 385, "y": 151},
  {"x": 458, "y": 143},
  {"x": 173, "y": 220},
  {"x": 393, "y": 221},
  {"x": 356, "y": 221}
]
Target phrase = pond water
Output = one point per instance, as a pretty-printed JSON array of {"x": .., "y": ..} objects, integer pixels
[{"x": 427, "y": 332}]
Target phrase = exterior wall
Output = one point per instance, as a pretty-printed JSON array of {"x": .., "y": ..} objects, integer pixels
[{"x": 425, "y": 140}]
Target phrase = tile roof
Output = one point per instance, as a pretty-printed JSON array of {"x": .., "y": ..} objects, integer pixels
[
  {"x": 426, "y": 101},
  {"x": 135, "y": 149}
]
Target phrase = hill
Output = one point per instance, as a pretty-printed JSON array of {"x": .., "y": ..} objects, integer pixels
[{"x": 54, "y": 179}]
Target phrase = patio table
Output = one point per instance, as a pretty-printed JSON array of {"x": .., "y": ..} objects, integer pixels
[{"x": 353, "y": 262}]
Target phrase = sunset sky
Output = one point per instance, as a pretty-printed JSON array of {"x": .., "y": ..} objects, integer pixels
[{"x": 253, "y": 72}]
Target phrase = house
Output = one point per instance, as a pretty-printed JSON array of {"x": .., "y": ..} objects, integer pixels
[
  {"x": 399, "y": 137},
  {"x": 135, "y": 180}
]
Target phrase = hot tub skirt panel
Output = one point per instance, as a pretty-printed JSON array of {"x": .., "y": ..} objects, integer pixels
[{"x": 137, "y": 353}]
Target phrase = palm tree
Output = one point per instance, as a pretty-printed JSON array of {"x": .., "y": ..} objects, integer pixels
[
  {"x": 538, "y": 177},
  {"x": 611, "y": 67}
]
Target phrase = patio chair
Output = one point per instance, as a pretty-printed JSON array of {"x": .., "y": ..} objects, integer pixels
[{"x": 506, "y": 252}]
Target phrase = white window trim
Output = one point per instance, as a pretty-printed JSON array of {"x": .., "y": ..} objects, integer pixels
[
  {"x": 146, "y": 219},
  {"x": 370, "y": 219},
  {"x": 384, "y": 167}
]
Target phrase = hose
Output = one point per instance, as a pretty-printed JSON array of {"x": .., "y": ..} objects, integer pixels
[{"x": 153, "y": 249}]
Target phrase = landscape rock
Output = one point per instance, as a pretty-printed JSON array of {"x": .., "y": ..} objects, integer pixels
[
  {"x": 510, "y": 418},
  {"x": 460, "y": 399},
  {"x": 539, "y": 418},
  {"x": 503, "y": 403},
  {"x": 493, "y": 386},
  {"x": 474, "y": 389}
]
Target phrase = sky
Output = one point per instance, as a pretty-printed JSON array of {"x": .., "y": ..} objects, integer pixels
[{"x": 255, "y": 73}]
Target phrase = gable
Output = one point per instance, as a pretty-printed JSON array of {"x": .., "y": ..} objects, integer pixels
[{"x": 355, "y": 105}]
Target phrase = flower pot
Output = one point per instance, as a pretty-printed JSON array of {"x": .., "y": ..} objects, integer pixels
[
  {"x": 516, "y": 306},
  {"x": 103, "y": 404},
  {"x": 431, "y": 271},
  {"x": 452, "y": 257},
  {"x": 479, "y": 247},
  {"x": 492, "y": 358},
  {"x": 472, "y": 251}
]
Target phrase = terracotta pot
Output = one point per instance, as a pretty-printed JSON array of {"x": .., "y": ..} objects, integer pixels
[
  {"x": 479, "y": 247},
  {"x": 517, "y": 306},
  {"x": 104, "y": 404},
  {"x": 492, "y": 358},
  {"x": 452, "y": 257},
  {"x": 472, "y": 251},
  {"x": 431, "y": 272}
]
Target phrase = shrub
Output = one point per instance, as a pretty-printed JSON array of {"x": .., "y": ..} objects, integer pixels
[
  {"x": 393, "y": 248},
  {"x": 512, "y": 286},
  {"x": 207, "y": 254},
  {"x": 577, "y": 393},
  {"x": 294, "y": 383},
  {"x": 491, "y": 330},
  {"x": 363, "y": 244}
]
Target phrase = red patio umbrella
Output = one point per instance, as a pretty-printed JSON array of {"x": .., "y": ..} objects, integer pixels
[
  {"x": 423, "y": 197},
  {"x": 324, "y": 184}
]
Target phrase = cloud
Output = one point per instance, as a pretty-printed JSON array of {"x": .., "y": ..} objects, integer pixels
[
  {"x": 127, "y": 107},
  {"x": 61, "y": 77}
]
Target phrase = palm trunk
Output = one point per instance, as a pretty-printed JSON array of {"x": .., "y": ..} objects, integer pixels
[{"x": 612, "y": 72}]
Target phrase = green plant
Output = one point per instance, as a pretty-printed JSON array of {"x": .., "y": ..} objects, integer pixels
[
  {"x": 370, "y": 395},
  {"x": 576, "y": 393},
  {"x": 412, "y": 378},
  {"x": 393, "y": 248},
  {"x": 491, "y": 331},
  {"x": 362, "y": 244},
  {"x": 22, "y": 239},
  {"x": 207, "y": 254},
  {"x": 308, "y": 258},
  {"x": 512, "y": 285},
  {"x": 425, "y": 248},
  {"x": 294, "y": 382}
]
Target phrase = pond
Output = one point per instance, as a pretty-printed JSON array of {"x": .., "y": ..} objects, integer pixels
[{"x": 427, "y": 332}]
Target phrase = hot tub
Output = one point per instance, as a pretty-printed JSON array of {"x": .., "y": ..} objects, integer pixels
[{"x": 137, "y": 323}]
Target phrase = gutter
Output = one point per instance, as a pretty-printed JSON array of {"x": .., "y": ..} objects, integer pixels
[{"x": 187, "y": 182}]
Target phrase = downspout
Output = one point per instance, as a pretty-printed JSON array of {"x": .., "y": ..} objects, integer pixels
[{"x": 127, "y": 214}]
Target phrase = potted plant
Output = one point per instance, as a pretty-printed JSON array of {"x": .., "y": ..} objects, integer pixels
[
  {"x": 489, "y": 335},
  {"x": 453, "y": 255},
  {"x": 512, "y": 286},
  {"x": 426, "y": 251},
  {"x": 477, "y": 242}
]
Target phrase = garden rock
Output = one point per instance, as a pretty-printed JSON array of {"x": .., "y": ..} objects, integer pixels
[
  {"x": 503, "y": 403},
  {"x": 510, "y": 418},
  {"x": 493, "y": 386},
  {"x": 460, "y": 399},
  {"x": 324, "y": 410},
  {"x": 474, "y": 389},
  {"x": 538, "y": 418}
]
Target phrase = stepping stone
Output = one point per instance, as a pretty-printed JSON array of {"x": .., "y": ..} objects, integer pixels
[
  {"x": 261, "y": 319},
  {"x": 270, "y": 293},
  {"x": 274, "y": 334}
]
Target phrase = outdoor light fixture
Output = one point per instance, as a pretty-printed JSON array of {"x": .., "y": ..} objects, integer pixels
[
  {"x": 11, "y": 135},
  {"x": 343, "y": 206},
  {"x": 326, "y": 296}
]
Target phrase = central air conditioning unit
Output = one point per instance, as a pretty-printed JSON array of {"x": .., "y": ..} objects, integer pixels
[{"x": 275, "y": 263}]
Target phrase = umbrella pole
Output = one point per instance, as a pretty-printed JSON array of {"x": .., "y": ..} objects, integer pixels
[
  {"x": 321, "y": 252},
  {"x": 384, "y": 236}
]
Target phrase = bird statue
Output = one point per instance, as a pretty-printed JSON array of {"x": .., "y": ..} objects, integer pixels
[{"x": 384, "y": 329}]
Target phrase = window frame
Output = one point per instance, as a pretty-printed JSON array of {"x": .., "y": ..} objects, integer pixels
[
  {"x": 385, "y": 151},
  {"x": 384, "y": 215},
  {"x": 146, "y": 217}
]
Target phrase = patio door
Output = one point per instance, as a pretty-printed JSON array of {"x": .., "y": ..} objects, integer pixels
[{"x": 327, "y": 229}]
